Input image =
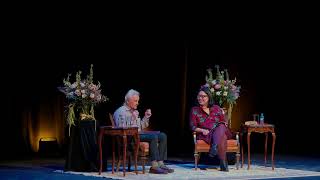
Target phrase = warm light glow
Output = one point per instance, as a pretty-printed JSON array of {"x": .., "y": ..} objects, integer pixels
[
  {"x": 45, "y": 130},
  {"x": 48, "y": 139},
  {"x": 46, "y": 125}
]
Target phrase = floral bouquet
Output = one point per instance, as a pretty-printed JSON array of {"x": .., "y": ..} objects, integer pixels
[
  {"x": 82, "y": 96},
  {"x": 224, "y": 91}
]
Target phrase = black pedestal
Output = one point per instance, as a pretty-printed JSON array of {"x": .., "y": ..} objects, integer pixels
[{"x": 82, "y": 153}]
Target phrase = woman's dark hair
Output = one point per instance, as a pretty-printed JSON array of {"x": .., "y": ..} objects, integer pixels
[{"x": 208, "y": 92}]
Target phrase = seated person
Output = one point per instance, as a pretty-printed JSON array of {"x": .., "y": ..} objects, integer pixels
[
  {"x": 128, "y": 116},
  {"x": 209, "y": 122}
]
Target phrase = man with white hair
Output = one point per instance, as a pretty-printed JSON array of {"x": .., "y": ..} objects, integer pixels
[{"x": 128, "y": 116}]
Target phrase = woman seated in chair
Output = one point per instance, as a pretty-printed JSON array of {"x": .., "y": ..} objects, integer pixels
[{"x": 209, "y": 122}]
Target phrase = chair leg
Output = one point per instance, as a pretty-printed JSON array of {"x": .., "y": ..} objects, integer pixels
[
  {"x": 237, "y": 161},
  {"x": 129, "y": 163},
  {"x": 118, "y": 161},
  {"x": 143, "y": 160},
  {"x": 118, "y": 165},
  {"x": 143, "y": 168},
  {"x": 196, "y": 159},
  {"x": 119, "y": 155}
]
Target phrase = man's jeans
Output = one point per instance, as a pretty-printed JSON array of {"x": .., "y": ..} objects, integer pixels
[{"x": 158, "y": 145}]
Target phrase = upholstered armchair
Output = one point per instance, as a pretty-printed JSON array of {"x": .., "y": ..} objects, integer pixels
[{"x": 201, "y": 146}]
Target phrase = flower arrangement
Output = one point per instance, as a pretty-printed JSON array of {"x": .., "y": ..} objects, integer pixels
[
  {"x": 222, "y": 88},
  {"x": 82, "y": 96},
  {"x": 224, "y": 91}
]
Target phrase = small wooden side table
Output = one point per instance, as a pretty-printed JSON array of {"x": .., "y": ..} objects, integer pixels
[
  {"x": 265, "y": 128},
  {"x": 124, "y": 132}
]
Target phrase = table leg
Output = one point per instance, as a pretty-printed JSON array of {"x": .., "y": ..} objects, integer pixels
[
  {"x": 100, "y": 150},
  {"x": 248, "y": 139},
  {"x": 241, "y": 144},
  {"x": 124, "y": 154},
  {"x": 273, "y": 144},
  {"x": 119, "y": 157},
  {"x": 265, "y": 149},
  {"x": 113, "y": 153},
  {"x": 137, "y": 140}
]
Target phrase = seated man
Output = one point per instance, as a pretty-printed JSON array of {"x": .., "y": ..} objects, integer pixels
[{"x": 127, "y": 116}]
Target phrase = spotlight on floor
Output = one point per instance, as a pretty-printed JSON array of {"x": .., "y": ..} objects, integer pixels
[{"x": 48, "y": 146}]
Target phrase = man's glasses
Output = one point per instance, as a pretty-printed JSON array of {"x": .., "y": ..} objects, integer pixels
[{"x": 202, "y": 96}]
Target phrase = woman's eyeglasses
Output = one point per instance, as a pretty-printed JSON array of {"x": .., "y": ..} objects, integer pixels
[{"x": 202, "y": 96}]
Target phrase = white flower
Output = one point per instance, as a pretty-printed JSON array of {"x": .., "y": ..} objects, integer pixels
[
  {"x": 225, "y": 93},
  {"x": 218, "y": 93},
  {"x": 70, "y": 94},
  {"x": 212, "y": 90},
  {"x": 91, "y": 95},
  {"x": 74, "y": 85},
  {"x": 84, "y": 95},
  {"x": 99, "y": 97}
]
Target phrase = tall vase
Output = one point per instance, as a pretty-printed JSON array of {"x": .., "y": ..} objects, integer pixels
[
  {"x": 87, "y": 112},
  {"x": 228, "y": 113},
  {"x": 85, "y": 109}
]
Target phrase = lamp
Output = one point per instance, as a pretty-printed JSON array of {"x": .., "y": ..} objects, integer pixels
[{"x": 48, "y": 146}]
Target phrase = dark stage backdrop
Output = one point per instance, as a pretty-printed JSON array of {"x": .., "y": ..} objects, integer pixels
[{"x": 167, "y": 74}]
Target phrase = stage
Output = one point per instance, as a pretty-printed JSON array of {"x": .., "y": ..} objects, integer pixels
[{"x": 286, "y": 167}]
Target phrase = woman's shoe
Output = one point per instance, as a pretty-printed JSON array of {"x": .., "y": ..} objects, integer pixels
[{"x": 224, "y": 165}]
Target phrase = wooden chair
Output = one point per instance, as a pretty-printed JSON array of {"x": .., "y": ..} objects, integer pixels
[
  {"x": 143, "y": 151},
  {"x": 233, "y": 145}
]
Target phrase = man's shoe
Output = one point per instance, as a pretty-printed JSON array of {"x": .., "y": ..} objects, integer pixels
[
  {"x": 157, "y": 170},
  {"x": 213, "y": 150},
  {"x": 224, "y": 165},
  {"x": 167, "y": 169}
]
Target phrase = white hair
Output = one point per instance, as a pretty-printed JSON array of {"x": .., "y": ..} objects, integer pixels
[{"x": 131, "y": 93}]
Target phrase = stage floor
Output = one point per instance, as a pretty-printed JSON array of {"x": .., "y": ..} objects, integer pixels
[{"x": 287, "y": 167}]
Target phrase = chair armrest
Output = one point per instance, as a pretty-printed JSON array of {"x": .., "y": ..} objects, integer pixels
[
  {"x": 194, "y": 137},
  {"x": 237, "y": 138}
]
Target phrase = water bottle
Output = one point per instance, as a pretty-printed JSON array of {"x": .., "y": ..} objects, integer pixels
[
  {"x": 261, "y": 119},
  {"x": 125, "y": 122},
  {"x": 122, "y": 122},
  {"x": 134, "y": 122},
  {"x": 128, "y": 122}
]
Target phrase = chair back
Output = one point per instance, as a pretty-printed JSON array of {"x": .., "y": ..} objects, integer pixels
[{"x": 111, "y": 120}]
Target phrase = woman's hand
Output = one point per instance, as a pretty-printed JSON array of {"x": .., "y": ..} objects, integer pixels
[
  {"x": 223, "y": 111},
  {"x": 205, "y": 131}
]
